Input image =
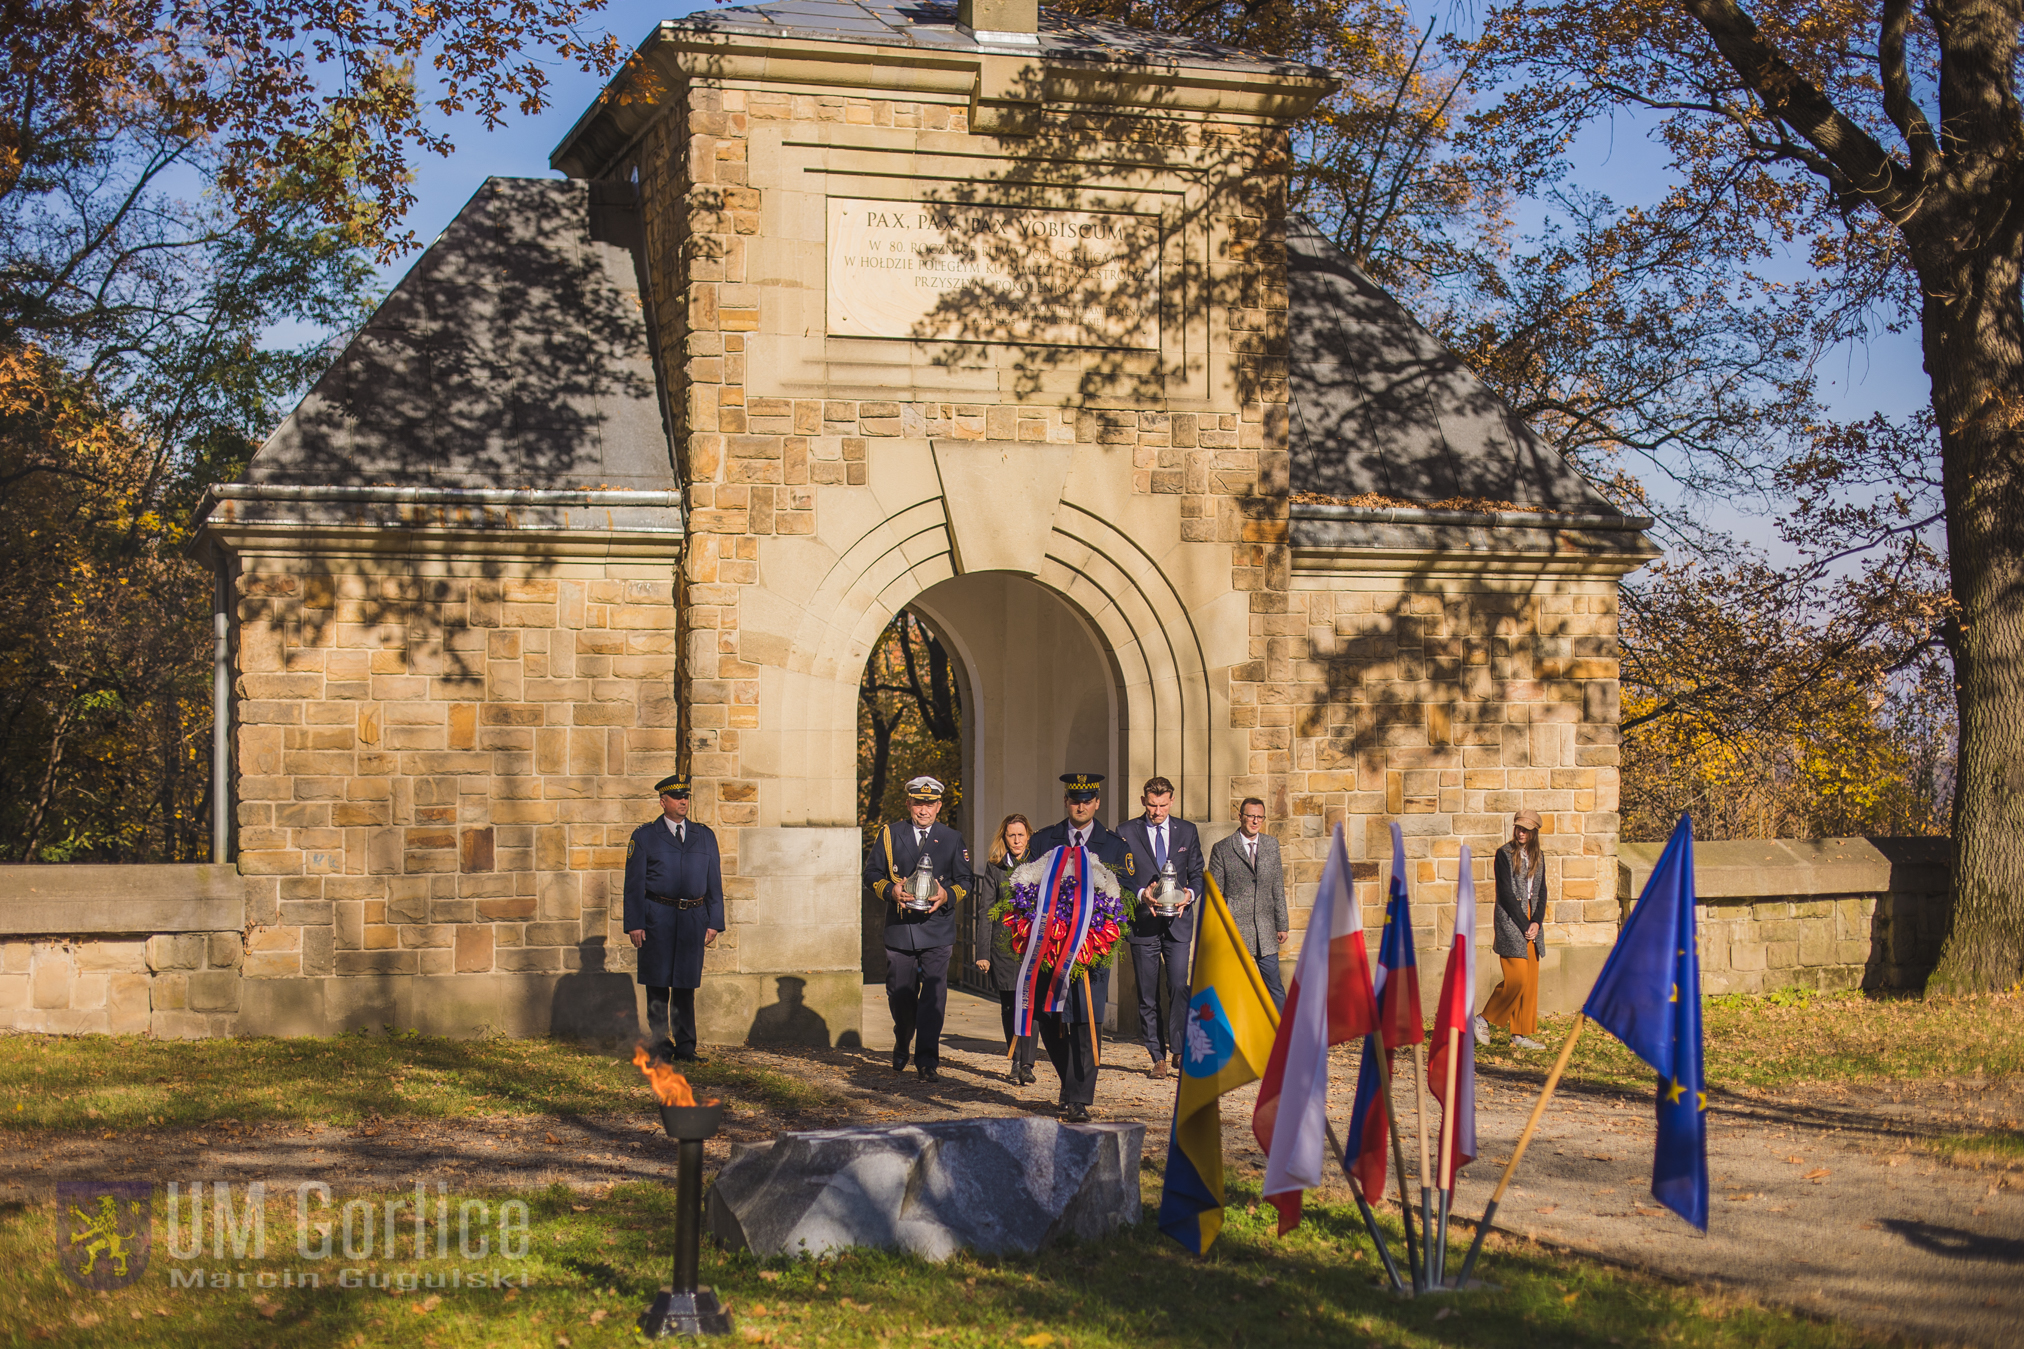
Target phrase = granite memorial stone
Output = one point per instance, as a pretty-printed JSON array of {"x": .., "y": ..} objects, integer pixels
[{"x": 988, "y": 1185}]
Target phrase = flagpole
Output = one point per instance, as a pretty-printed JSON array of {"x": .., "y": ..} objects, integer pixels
[
  {"x": 1426, "y": 1188},
  {"x": 1391, "y": 1116},
  {"x": 1391, "y": 1270},
  {"x": 1538, "y": 1109},
  {"x": 1442, "y": 1179}
]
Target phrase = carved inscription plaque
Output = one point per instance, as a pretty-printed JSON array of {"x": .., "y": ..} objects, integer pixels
[{"x": 932, "y": 271}]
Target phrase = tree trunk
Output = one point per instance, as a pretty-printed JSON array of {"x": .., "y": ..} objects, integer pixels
[
  {"x": 1974, "y": 351},
  {"x": 39, "y": 813}
]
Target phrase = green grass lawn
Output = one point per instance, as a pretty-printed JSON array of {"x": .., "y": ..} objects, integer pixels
[
  {"x": 593, "y": 1265},
  {"x": 124, "y": 1082},
  {"x": 1781, "y": 1041}
]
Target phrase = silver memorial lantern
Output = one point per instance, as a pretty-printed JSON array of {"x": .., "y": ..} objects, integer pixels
[
  {"x": 1166, "y": 896},
  {"x": 920, "y": 895}
]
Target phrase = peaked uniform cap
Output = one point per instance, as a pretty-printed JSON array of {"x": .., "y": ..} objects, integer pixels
[
  {"x": 1082, "y": 786},
  {"x": 674, "y": 784}
]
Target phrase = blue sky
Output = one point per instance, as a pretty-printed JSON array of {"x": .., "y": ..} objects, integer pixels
[{"x": 520, "y": 149}]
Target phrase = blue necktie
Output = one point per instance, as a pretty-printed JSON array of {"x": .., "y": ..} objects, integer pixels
[{"x": 1159, "y": 847}]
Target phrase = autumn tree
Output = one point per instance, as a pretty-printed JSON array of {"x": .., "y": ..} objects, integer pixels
[
  {"x": 334, "y": 100},
  {"x": 909, "y": 722},
  {"x": 132, "y": 371},
  {"x": 177, "y": 183},
  {"x": 1884, "y": 143}
]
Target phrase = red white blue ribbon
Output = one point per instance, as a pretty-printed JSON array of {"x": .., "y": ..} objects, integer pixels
[{"x": 1040, "y": 989}]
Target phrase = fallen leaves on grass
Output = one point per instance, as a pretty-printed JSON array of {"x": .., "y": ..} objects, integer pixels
[{"x": 1818, "y": 1173}]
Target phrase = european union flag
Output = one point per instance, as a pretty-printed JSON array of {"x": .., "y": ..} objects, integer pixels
[{"x": 1649, "y": 997}]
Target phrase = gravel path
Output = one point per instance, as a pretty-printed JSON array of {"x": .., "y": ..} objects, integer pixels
[{"x": 1824, "y": 1202}]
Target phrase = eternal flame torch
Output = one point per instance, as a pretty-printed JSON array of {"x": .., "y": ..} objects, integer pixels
[{"x": 683, "y": 1308}]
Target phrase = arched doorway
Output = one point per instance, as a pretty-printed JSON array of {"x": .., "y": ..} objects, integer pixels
[{"x": 1040, "y": 696}]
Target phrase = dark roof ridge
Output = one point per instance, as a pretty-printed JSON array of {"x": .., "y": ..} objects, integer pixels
[
  {"x": 932, "y": 24},
  {"x": 1382, "y": 408}
]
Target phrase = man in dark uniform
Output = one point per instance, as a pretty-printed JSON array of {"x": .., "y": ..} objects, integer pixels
[
  {"x": 1071, "y": 1034},
  {"x": 918, "y": 942},
  {"x": 1160, "y": 946},
  {"x": 674, "y": 907}
]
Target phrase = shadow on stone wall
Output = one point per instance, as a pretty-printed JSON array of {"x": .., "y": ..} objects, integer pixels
[
  {"x": 594, "y": 1003},
  {"x": 1909, "y": 923},
  {"x": 791, "y": 1021}
]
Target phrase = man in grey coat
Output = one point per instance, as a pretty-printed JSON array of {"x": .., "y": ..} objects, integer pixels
[{"x": 1246, "y": 868}]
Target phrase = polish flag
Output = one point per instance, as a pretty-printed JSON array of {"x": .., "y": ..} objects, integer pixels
[
  {"x": 1331, "y": 1000},
  {"x": 1457, "y": 1009}
]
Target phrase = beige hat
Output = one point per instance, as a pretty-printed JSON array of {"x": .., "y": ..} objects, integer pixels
[{"x": 1527, "y": 819}]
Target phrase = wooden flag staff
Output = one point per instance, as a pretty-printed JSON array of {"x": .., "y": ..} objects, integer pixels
[
  {"x": 1442, "y": 1180},
  {"x": 1525, "y": 1138}
]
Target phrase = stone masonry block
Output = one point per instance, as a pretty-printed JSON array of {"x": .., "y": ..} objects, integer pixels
[
  {"x": 214, "y": 991},
  {"x": 180, "y": 951},
  {"x": 49, "y": 981}
]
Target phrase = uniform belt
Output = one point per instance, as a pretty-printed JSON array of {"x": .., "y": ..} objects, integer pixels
[{"x": 678, "y": 903}]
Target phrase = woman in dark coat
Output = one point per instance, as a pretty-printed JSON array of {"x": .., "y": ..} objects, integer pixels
[
  {"x": 1520, "y": 934},
  {"x": 1008, "y": 852}
]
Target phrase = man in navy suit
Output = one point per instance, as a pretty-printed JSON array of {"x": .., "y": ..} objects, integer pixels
[
  {"x": 1071, "y": 1035},
  {"x": 918, "y": 942},
  {"x": 1160, "y": 946},
  {"x": 674, "y": 907}
]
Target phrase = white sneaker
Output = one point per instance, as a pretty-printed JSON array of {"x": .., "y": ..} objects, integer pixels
[
  {"x": 1482, "y": 1031},
  {"x": 1526, "y": 1042}
]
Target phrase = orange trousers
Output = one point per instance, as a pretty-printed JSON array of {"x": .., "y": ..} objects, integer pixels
[{"x": 1515, "y": 1004}]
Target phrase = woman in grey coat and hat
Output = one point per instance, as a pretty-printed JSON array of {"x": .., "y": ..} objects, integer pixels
[
  {"x": 1520, "y": 934},
  {"x": 1009, "y": 851}
]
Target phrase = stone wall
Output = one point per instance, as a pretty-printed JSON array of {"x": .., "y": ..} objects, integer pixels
[
  {"x": 116, "y": 950},
  {"x": 1813, "y": 914},
  {"x": 440, "y": 761},
  {"x": 1447, "y": 694}
]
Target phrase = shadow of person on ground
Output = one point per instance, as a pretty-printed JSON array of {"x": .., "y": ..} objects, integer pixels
[{"x": 1956, "y": 1242}]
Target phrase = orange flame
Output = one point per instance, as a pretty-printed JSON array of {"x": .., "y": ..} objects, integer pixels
[{"x": 670, "y": 1086}]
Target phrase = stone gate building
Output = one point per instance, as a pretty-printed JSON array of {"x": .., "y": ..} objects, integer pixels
[{"x": 844, "y": 308}]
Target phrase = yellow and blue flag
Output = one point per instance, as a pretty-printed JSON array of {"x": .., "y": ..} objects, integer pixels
[
  {"x": 1227, "y": 1042},
  {"x": 1649, "y": 997}
]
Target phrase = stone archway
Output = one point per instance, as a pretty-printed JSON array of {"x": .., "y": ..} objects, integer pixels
[
  {"x": 1170, "y": 626},
  {"x": 1014, "y": 524},
  {"x": 1042, "y": 690}
]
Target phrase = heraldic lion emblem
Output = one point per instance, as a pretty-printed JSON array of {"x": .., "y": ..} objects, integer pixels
[{"x": 104, "y": 1230}]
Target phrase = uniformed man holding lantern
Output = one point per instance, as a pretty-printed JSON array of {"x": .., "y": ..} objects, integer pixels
[{"x": 919, "y": 869}]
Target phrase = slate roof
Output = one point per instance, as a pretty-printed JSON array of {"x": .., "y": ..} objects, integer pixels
[
  {"x": 931, "y": 24},
  {"x": 1380, "y": 406},
  {"x": 513, "y": 355}
]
